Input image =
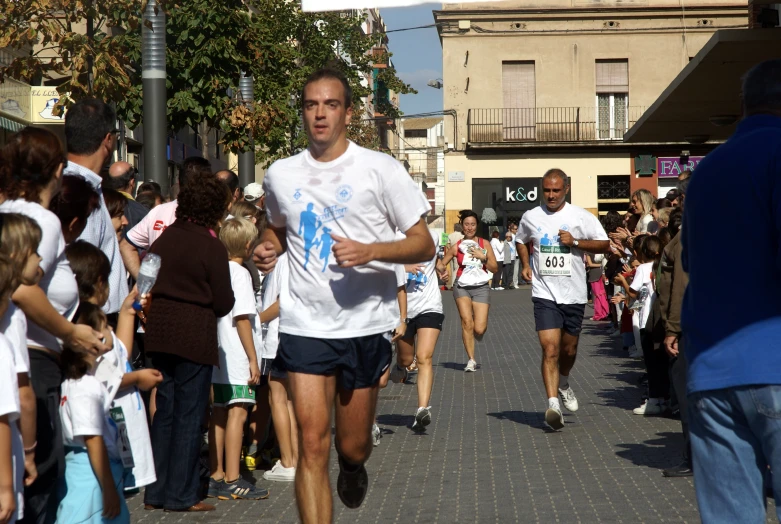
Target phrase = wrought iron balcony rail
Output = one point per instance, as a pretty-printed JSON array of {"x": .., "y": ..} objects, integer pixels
[{"x": 550, "y": 124}]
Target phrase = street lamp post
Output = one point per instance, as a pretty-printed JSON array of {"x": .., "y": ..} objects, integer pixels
[
  {"x": 247, "y": 159},
  {"x": 153, "y": 80}
]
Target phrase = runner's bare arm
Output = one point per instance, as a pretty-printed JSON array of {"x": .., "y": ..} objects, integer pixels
[
  {"x": 273, "y": 243},
  {"x": 523, "y": 256},
  {"x": 591, "y": 246},
  {"x": 130, "y": 257},
  {"x": 417, "y": 246},
  {"x": 449, "y": 255}
]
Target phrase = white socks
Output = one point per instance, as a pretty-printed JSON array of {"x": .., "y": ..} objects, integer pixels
[
  {"x": 563, "y": 381},
  {"x": 553, "y": 403}
]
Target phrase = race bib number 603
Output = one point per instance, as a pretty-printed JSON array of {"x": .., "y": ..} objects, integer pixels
[{"x": 555, "y": 261}]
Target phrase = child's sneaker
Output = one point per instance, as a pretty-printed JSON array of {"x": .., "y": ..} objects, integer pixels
[
  {"x": 241, "y": 489},
  {"x": 214, "y": 488}
]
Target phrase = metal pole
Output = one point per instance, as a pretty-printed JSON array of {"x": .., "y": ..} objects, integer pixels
[
  {"x": 153, "y": 78},
  {"x": 247, "y": 160}
]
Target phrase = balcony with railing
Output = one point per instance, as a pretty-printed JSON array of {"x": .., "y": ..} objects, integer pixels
[{"x": 550, "y": 124}]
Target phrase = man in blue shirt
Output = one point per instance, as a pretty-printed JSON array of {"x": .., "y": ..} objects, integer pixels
[{"x": 733, "y": 333}]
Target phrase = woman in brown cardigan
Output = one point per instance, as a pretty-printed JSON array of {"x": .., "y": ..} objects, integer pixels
[{"x": 192, "y": 290}]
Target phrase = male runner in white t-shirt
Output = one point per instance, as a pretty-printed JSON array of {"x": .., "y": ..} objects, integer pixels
[
  {"x": 559, "y": 233},
  {"x": 334, "y": 209}
]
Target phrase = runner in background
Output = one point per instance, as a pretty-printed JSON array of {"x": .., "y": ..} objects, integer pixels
[
  {"x": 475, "y": 258},
  {"x": 559, "y": 234}
]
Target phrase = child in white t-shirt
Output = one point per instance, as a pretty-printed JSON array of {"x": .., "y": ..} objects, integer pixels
[
  {"x": 12, "y": 461},
  {"x": 93, "y": 483},
  {"x": 234, "y": 381},
  {"x": 20, "y": 236},
  {"x": 91, "y": 268}
]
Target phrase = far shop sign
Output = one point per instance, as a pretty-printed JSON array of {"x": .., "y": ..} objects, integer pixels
[{"x": 671, "y": 167}]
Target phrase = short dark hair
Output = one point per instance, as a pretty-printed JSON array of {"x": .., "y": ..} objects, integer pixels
[
  {"x": 329, "y": 73},
  {"x": 116, "y": 202},
  {"x": 74, "y": 364},
  {"x": 762, "y": 87},
  {"x": 611, "y": 221},
  {"x": 191, "y": 166},
  {"x": 148, "y": 199},
  {"x": 663, "y": 203},
  {"x": 119, "y": 182},
  {"x": 149, "y": 186},
  {"x": 652, "y": 248},
  {"x": 89, "y": 265},
  {"x": 75, "y": 199},
  {"x": 675, "y": 221},
  {"x": 556, "y": 172},
  {"x": 204, "y": 202},
  {"x": 87, "y": 123},
  {"x": 232, "y": 181}
]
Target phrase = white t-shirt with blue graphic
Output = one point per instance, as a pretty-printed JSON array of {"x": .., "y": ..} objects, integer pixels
[
  {"x": 363, "y": 195},
  {"x": 423, "y": 294},
  {"x": 559, "y": 273}
]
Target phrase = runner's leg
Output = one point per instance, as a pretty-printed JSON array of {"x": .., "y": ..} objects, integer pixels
[
  {"x": 568, "y": 353},
  {"x": 464, "y": 305},
  {"x": 426, "y": 341},
  {"x": 550, "y": 341},
  {"x": 480, "y": 318},
  {"x": 313, "y": 396},
  {"x": 405, "y": 352},
  {"x": 355, "y": 412},
  {"x": 281, "y": 417}
]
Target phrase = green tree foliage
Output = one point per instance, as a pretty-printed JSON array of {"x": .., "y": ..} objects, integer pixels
[{"x": 93, "y": 48}]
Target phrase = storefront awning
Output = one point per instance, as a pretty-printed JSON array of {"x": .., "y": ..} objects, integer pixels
[
  {"x": 10, "y": 125},
  {"x": 703, "y": 102}
]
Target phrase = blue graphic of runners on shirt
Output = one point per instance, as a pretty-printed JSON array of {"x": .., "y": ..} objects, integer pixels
[
  {"x": 416, "y": 281},
  {"x": 308, "y": 229},
  {"x": 325, "y": 246},
  {"x": 547, "y": 241}
]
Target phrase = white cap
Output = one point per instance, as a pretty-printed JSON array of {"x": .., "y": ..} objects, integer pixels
[{"x": 253, "y": 192}]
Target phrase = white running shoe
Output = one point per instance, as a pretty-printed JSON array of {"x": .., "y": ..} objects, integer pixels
[
  {"x": 471, "y": 365},
  {"x": 634, "y": 352},
  {"x": 568, "y": 399},
  {"x": 554, "y": 418},
  {"x": 500, "y": 288},
  {"x": 376, "y": 435},
  {"x": 398, "y": 374},
  {"x": 280, "y": 473},
  {"x": 652, "y": 406},
  {"x": 422, "y": 418}
]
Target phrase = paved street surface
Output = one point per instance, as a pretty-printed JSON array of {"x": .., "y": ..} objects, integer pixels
[{"x": 487, "y": 457}]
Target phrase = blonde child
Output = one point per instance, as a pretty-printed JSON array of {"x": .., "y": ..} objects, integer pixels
[
  {"x": 238, "y": 336},
  {"x": 11, "y": 446},
  {"x": 19, "y": 239},
  {"x": 92, "y": 488}
]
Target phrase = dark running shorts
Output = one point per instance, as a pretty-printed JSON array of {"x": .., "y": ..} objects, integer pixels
[
  {"x": 550, "y": 315},
  {"x": 267, "y": 372},
  {"x": 431, "y": 319},
  {"x": 358, "y": 362}
]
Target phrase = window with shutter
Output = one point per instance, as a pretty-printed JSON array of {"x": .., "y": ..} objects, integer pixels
[
  {"x": 612, "y": 90},
  {"x": 520, "y": 101}
]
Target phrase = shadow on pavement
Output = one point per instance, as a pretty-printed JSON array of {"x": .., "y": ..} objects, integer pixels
[
  {"x": 533, "y": 419},
  {"x": 396, "y": 420},
  {"x": 458, "y": 366},
  {"x": 657, "y": 453}
]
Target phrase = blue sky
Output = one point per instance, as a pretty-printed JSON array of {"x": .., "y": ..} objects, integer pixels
[{"x": 417, "y": 55}]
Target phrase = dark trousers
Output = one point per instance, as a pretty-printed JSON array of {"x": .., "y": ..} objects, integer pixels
[
  {"x": 656, "y": 363},
  {"x": 40, "y": 499},
  {"x": 678, "y": 375},
  {"x": 498, "y": 275},
  {"x": 507, "y": 275},
  {"x": 182, "y": 398}
]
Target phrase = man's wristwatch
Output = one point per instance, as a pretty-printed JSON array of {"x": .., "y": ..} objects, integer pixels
[{"x": 575, "y": 243}]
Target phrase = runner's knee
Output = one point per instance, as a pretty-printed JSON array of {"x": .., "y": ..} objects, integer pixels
[
  {"x": 467, "y": 324},
  {"x": 480, "y": 329},
  {"x": 355, "y": 448}
]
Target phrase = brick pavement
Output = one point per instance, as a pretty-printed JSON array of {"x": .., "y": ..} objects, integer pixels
[{"x": 487, "y": 456}]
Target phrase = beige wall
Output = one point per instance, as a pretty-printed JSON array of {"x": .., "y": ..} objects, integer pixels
[
  {"x": 564, "y": 47},
  {"x": 564, "y": 4}
]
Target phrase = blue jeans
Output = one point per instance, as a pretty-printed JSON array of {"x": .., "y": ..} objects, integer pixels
[
  {"x": 735, "y": 436},
  {"x": 182, "y": 399}
]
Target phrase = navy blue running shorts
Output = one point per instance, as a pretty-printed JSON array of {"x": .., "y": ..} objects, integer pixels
[
  {"x": 550, "y": 315},
  {"x": 358, "y": 362}
]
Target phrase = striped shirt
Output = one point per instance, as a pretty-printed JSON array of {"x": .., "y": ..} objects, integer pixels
[{"x": 100, "y": 232}]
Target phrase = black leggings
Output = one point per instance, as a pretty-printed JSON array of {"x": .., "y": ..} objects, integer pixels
[
  {"x": 507, "y": 275},
  {"x": 657, "y": 364}
]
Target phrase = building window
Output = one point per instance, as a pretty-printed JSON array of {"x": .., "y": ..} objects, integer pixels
[
  {"x": 613, "y": 192},
  {"x": 415, "y": 133},
  {"x": 519, "y": 93},
  {"x": 612, "y": 86}
]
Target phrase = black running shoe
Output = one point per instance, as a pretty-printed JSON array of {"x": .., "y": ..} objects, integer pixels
[{"x": 352, "y": 485}]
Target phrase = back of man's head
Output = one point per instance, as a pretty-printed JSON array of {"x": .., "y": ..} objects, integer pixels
[
  {"x": 762, "y": 88},
  {"x": 229, "y": 178},
  {"x": 192, "y": 166},
  {"x": 119, "y": 176},
  {"x": 87, "y": 123}
]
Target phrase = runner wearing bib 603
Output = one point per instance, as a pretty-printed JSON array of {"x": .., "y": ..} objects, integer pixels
[
  {"x": 475, "y": 258},
  {"x": 558, "y": 234}
]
